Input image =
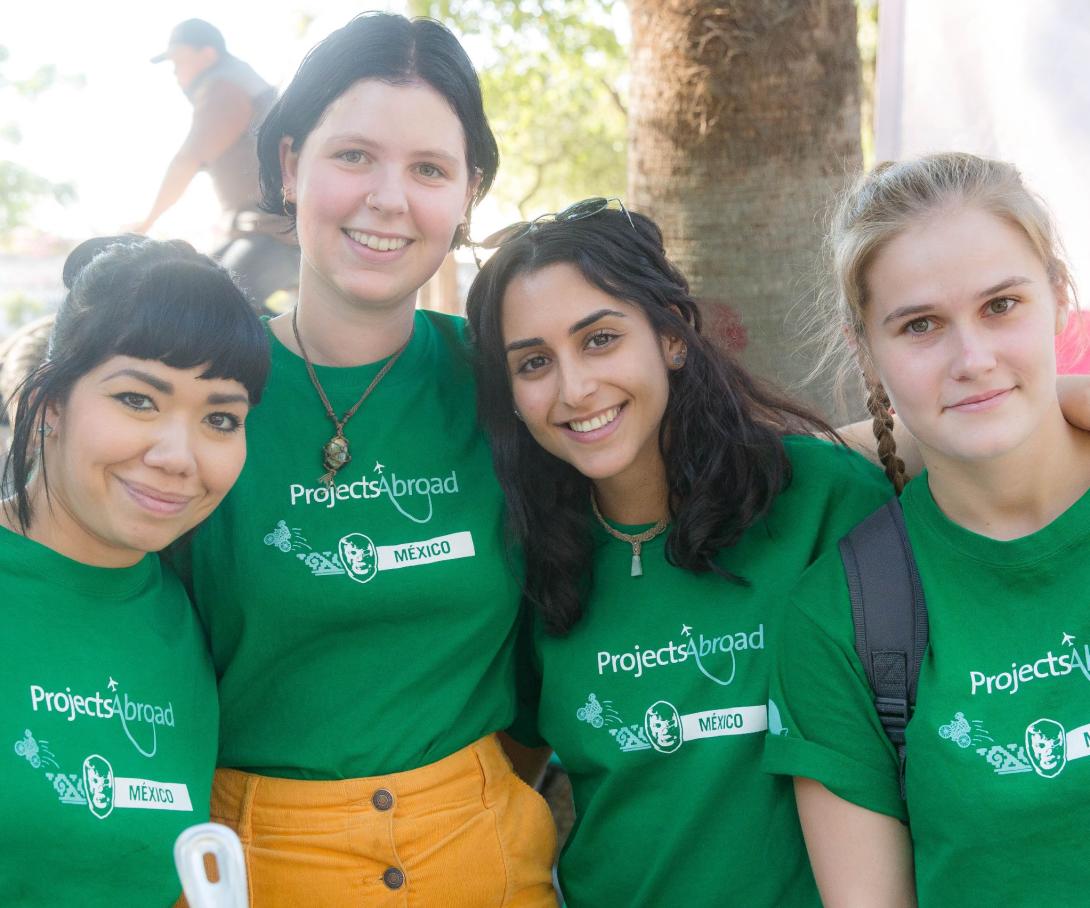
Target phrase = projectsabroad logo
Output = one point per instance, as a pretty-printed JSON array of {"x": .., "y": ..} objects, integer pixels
[
  {"x": 1049, "y": 665},
  {"x": 96, "y": 706},
  {"x": 404, "y": 493},
  {"x": 136, "y": 716},
  {"x": 715, "y": 656}
]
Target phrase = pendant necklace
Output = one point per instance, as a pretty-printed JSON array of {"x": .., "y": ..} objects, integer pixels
[
  {"x": 635, "y": 540},
  {"x": 335, "y": 452}
]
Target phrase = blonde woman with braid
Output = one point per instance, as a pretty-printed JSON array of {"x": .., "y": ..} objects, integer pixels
[{"x": 950, "y": 282}]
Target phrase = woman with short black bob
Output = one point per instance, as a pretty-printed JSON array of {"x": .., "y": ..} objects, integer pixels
[
  {"x": 125, "y": 438},
  {"x": 361, "y": 619},
  {"x": 665, "y": 499}
]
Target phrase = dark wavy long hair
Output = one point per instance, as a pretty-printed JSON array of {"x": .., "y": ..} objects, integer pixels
[{"x": 720, "y": 437}]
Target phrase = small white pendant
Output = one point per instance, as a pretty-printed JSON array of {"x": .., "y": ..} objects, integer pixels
[{"x": 637, "y": 566}]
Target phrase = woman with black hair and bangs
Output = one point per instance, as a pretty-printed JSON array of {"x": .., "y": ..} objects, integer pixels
[
  {"x": 125, "y": 438},
  {"x": 665, "y": 500}
]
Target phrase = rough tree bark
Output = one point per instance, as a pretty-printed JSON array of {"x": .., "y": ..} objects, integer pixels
[{"x": 744, "y": 122}]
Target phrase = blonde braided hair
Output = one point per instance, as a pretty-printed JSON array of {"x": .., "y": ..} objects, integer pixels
[{"x": 882, "y": 424}]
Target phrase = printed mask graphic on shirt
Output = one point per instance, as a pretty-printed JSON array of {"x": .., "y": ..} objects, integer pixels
[
  {"x": 1046, "y": 746},
  {"x": 410, "y": 496},
  {"x": 98, "y": 782},
  {"x": 358, "y": 558},
  {"x": 663, "y": 724}
]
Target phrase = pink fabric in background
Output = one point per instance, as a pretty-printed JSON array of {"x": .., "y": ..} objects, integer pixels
[{"x": 1073, "y": 346}]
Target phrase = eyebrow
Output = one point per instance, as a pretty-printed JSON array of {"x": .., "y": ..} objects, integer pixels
[
  {"x": 1013, "y": 281},
  {"x": 165, "y": 387},
  {"x": 1005, "y": 284},
  {"x": 216, "y": 399},
  {"x": 157, "y": 383},
  {"x": 360, "y": 139},
  {"x": 584, "y": 322},
  {"x": 592, "y": 318}
]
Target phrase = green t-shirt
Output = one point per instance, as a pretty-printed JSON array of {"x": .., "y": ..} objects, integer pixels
[
  {"x": 370, "y": 628},
  {"x": 108, "y": 703},
  {"x": 655, "y": 704},
  {"x": 996, "y": 789}
]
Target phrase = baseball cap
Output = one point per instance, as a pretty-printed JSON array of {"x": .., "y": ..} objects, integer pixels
[{"x": 196, "y": 33}]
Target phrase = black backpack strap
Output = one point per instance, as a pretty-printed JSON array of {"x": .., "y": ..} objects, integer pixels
[{"x": 890, "y": 616}]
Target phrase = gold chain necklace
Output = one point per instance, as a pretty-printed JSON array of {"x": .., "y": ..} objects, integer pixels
[
  {"x": 636, "y": 541},
  {"x": 335, "y": 451}
]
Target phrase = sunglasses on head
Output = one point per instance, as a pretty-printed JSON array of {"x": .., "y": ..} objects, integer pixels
[{"x": 574, "y": 212}]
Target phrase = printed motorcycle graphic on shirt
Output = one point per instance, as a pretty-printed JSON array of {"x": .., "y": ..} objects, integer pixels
[
  {"x": 963, "y": 732},
  {"x": 358, "y": 557}
]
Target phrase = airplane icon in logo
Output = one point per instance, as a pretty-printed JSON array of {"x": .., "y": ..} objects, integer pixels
[
  {"x": 379, "y": 467},
  {"x": 113, "y": 684},
  {"x": 686, "y": 631},
  {"x": 1068, "y": 640}
]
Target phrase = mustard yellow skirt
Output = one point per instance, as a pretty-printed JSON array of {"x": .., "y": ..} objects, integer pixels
[{"x": 464, "y": 832}]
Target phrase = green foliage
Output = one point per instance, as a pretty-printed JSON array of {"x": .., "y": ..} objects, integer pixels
[
  {"x": 20, "y": 188},
  {"x": 18, "y": 309},
  {"x": 552, "y": 73}
]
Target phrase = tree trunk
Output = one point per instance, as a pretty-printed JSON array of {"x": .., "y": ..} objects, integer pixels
[{"x": 744, "y": 123}]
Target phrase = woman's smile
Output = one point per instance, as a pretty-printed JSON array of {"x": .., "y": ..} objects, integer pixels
[{"x": 596, "y": 426}]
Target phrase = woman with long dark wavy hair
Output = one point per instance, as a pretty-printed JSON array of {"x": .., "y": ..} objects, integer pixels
[{"x": 665, "y": 500}]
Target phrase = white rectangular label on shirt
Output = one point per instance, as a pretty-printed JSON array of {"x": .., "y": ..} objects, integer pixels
[
  {"x": 735, "y": 720},
  {"x": 149, "y": 795},
  {"x": 410, "y": 554},
  {"x": 1078, "y": 742}
]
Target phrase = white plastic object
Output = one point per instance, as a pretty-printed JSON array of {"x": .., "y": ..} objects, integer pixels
[{"x": 190, "y": 848}]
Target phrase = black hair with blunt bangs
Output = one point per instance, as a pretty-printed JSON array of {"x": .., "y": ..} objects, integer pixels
[
  {"x": 721, "y": 434},
  {"x": 131, "y": 296},
  {"x": 391, "y": 49}
]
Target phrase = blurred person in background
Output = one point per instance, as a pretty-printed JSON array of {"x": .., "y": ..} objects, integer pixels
[{"x": 229, "y": 102}]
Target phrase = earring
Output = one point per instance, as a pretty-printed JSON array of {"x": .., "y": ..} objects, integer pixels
[
  {"x": 46, "y": 429},
  {"x": 679, "y": 357},
  {"x": 518, "y": 415},
  {"x": 284, "y": 197}
]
